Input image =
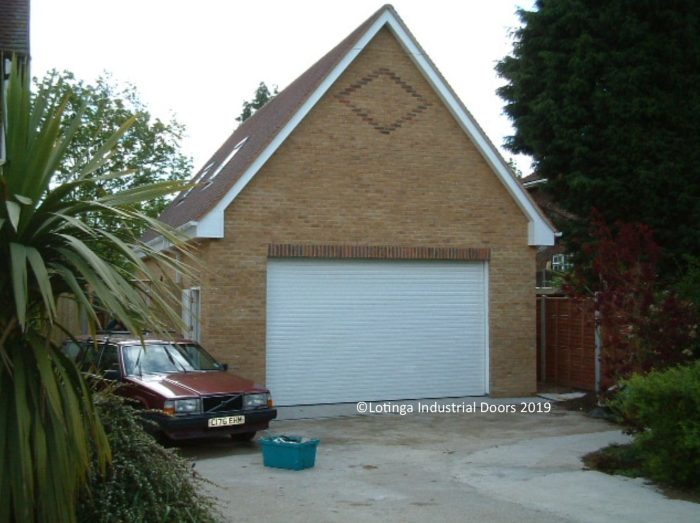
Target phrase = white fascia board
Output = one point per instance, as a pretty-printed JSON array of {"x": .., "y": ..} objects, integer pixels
[
  {"x": 539, "y": 231},
  {"x": 189, "y": 229},
  {"x": 157, "y": 244},
  {"x": 212, "y": 224},
  {"x": 540, "y": 234}
]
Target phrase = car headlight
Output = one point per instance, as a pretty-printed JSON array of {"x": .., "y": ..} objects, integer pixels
[
  {"x": 186, "y": 406},
  {"x": 254, "y": 401}
]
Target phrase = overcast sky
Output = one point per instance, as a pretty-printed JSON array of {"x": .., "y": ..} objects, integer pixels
[{"x": 200, "y": 59}]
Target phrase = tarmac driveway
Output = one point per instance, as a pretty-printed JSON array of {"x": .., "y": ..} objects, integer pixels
[{"x": 509, "y": 467}]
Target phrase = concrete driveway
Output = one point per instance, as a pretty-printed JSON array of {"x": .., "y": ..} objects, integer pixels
[{"x": 436, "y": 467}]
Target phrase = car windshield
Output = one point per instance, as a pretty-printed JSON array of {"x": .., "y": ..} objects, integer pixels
[{"x": 164, "y": 358}]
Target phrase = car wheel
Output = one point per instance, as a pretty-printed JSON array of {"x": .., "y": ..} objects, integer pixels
[{"x": 243, "y": 436}]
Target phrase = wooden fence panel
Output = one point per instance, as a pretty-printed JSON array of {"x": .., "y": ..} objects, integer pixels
[{"x": 566, "y": 341}]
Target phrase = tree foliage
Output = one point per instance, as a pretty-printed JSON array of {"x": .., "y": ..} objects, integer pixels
[
  {"x": 262, "y": 95},
  {"x": 603, "y": 95},
  {"x": 49, "y": 248},
  {"x": 645, "y": 326},
  {"x": 150, "y": 148}
]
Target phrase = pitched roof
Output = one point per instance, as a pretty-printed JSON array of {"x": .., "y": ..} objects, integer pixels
[
  {"x": 259, "y": 130},
  {"x": 532, "y": 180},
  {"x": 199, "y": 211},
  {"x": 14, "y": 26}
]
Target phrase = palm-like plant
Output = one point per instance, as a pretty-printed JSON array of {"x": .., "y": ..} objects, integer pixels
[{"x": 49, "y": 432}]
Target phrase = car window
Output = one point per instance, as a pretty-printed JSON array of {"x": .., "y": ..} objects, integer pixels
[
  {"x": 109, "y": 359},
  {"x": 89, "y": 356},
  {"x": 84, "y": 353},
  {"x": 72, "y": 350},
  {"x": 198, "y": 357}
]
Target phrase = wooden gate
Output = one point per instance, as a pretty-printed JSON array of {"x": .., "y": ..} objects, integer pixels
[{"x": 566, "y": 354}]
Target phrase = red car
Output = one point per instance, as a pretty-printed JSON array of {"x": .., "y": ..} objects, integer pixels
[{"x": 188, "y": 393}]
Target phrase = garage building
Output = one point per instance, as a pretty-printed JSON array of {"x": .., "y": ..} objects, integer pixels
[{"x": 363, "y": 239}]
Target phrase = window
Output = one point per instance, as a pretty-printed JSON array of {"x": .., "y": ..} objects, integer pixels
[
  {"x": 223, "y": 164},
  {"x": 195, "y": 180},
  {"x": 178, "y": 272},
  {"x": 109, "y": 360},
  {"x": 72, "y": 350},
  {"x": 191, "y": 308},
  {"x": 562, "y": 262},
  {"x": 85, "y": 354}
]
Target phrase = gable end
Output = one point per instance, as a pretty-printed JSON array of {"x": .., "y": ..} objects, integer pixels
[{"x": 540, "y": 230}]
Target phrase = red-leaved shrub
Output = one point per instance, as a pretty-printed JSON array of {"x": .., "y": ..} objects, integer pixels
[{"x": 644, "y": 325}]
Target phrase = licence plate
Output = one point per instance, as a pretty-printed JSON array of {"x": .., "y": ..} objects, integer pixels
[{"x": 225, "y": 421}]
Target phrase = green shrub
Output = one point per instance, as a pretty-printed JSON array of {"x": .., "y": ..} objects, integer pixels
[
  {"x": 145, "y": 482},
  {"x": 663, "y": 410}
]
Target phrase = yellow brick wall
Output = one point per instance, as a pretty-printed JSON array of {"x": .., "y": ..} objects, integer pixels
[
  {"x": 197, "y": 273},
  {"x": 341, "y": 178}
]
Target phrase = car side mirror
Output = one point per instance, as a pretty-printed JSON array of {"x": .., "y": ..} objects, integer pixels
[{"x": 224, "y": 366}]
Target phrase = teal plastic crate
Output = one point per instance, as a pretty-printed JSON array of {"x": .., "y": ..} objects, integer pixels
[{"x": 289, "y": 452}]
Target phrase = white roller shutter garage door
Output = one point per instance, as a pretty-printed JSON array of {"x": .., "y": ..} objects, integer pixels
[{"x": 364, "y": 330}]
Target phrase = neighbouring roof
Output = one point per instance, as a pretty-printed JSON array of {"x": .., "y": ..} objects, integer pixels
[
  {"x": 14, "y": 26},
  {"x": 554, "y": 211},
  {"x": 533, "y": 180},
  {"x": 199, "y": 211}
]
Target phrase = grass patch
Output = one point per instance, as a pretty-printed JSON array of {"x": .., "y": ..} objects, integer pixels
[{"x": 621, "y": 460}]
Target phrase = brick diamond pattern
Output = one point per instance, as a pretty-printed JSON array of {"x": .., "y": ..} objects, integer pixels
[{"x": 396, "y": 118}]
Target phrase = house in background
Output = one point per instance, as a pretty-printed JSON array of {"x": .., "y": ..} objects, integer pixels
[
  {"x": 363, "y": 238},
  {"x": 14, "y": 41},
  {"x": 14, "y": 29},
  {"x": 551, "y": 261}
]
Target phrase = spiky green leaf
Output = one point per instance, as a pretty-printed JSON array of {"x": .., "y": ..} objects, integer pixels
[
  {"x": 13, "y": 213},
  {"x": 23, "y": 199},
  {"x": 18, "y": 258}
]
